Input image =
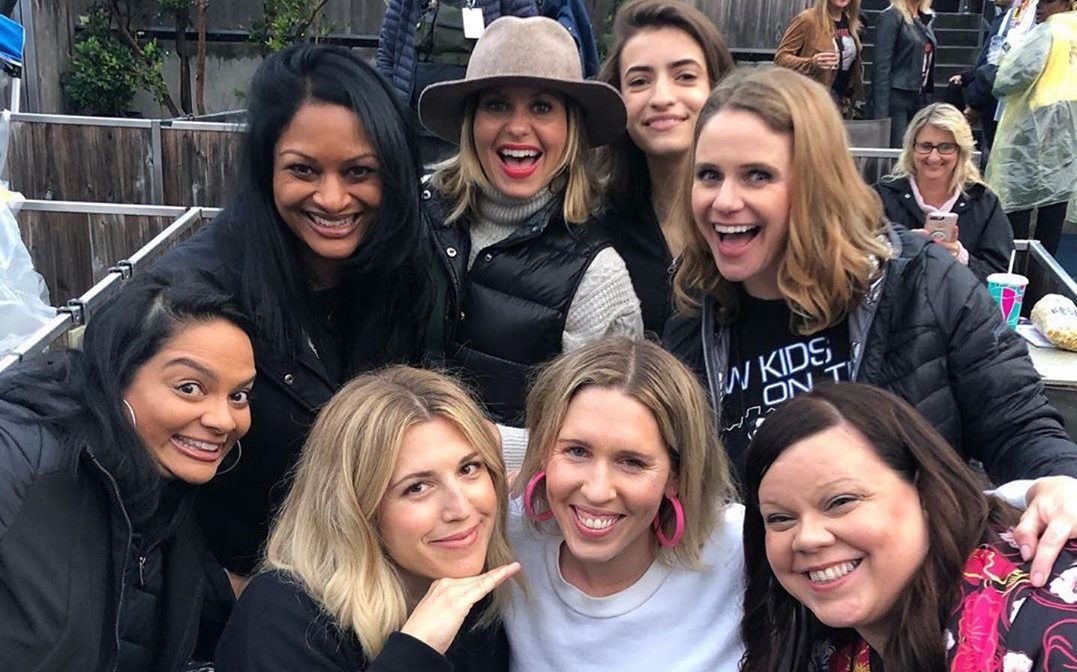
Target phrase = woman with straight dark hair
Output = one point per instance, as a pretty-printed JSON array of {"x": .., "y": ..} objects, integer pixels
[
  {"x": 322, "y": 245},
  {"x": 665, "y": 59},
  {"x": 100, "y": 453},
  {"x": 868, "y": 543}
]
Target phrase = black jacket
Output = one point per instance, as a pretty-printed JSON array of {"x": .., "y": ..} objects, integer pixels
[
  {"x": 638, "y": 238},
  {"x": 984, "y": 229},
  {"x": 899, "y": 57},
  {"x": 77, "y": 590},
  {"x": 235, "y": 508},
  {"x": 506, "y": 314},
  {"x": 278, "y": 627},
  {"x": 930, "y": 333}
]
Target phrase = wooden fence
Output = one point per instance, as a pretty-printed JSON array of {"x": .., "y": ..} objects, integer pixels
[
  {"x": 96, "y": 159},
  {"x": 73, "y": 245}
]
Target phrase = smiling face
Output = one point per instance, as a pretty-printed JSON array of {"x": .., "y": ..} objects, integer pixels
[
  {"x": 845, "y": 533},
  {"x": 326, "y": 184},
  {"x": 191, "y": 399},
  {"x": 437, "y": 516},
  {"x": 520, "y": 137},
  {"x": 664, "y": 84},
  {"x": 740, "y": 198},
  {"x": 935, "y": 166},
  {"x": 605, "y": 480}
]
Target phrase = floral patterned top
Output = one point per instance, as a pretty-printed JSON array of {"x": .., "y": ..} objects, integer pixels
[{"x": 1001, "y": 622}]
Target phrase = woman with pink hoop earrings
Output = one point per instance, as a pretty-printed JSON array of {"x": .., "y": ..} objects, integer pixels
[{"x": 626, "y": 531}]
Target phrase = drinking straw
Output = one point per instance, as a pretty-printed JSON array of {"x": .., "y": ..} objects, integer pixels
[{"x": 1013, "y": 253}]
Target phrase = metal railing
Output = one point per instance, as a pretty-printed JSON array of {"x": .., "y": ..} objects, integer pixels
[{"x": 78, "y": 312}]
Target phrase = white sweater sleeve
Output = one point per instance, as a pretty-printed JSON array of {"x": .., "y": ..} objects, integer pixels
[{"x": 605, "y": 304}]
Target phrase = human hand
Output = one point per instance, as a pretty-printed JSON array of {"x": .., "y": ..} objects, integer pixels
[
  {"x": 1047, "y": 524},
  {"x": 825, "y": 60},
  {"x": 971, "y": 116},
  {"x": 438, "y": 616},
  {"x": 956, "y": 80}
]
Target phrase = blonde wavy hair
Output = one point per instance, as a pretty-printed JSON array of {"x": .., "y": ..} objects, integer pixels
[
  {"x": 326, "y": 536},
  {"x": 460, "y": 177},
  {"x": 909, "y": 8},
  {"x": 834, "y": 246},
  {"x": 655, "y": 378},
  {"x": 852, "y": 12},
  {"x": 944, "y": 117}
]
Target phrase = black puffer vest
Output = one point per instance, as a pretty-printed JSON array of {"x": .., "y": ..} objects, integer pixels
[{"x": 507, "y": 313}]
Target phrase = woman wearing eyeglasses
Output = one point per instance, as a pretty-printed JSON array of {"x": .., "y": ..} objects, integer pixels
[{"x": 936, "y": 174}]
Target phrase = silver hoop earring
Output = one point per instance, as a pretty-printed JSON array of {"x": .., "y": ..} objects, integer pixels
[
  {"x": 239, "y": 456},
  {"x": 131, "y": 411}
]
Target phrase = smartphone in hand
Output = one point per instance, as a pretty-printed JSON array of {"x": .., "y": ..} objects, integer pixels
[{"x": 942, "y": 226}]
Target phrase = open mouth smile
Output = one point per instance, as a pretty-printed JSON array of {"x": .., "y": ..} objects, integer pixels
[
  {"x": 825, "y": 576},
  {"x": 519, "y": 161},
  {"x": 334, "y": 227},
  {"x": 205, "y": 451},
  {"x": 732, "y": 239},
  {"x": 593, "y": 523}
]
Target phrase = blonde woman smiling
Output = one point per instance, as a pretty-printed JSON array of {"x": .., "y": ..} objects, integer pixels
[{"x": 393, "y": 529}]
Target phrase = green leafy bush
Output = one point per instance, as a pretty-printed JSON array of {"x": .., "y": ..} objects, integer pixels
[{"x": 106, "y": 72}]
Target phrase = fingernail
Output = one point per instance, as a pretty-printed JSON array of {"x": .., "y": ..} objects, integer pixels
[
  {"x": 1026, "y": 552},
  {"x": 1037, "y": 578}
]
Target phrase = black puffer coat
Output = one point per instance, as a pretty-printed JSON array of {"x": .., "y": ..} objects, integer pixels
[
  {"x": 76, "y": 592},
  {"x": 983, "y": 228},
  {"x": 930, "y": 333}
]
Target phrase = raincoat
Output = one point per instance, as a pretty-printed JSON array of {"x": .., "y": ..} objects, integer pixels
[{"x": 1034, "y": 160}]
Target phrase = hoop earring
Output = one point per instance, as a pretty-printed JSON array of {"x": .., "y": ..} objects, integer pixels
[
  {"x": 239, "y": 456},
  {"x": 131, "y": 411},
  {"x": 529, "y": 493},
  {"x": 678, "y": 528}
]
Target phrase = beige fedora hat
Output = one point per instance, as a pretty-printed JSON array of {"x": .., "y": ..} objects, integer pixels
[{"x": 534, "y": 51}]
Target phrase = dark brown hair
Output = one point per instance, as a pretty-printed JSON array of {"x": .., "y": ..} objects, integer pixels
[
  {"x": 623, "y": 162},
  {"x": 778, "y": 631}
]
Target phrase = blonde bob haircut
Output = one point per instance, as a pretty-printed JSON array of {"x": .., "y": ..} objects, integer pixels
[
  {"x": 461, "y": 177},
  {"x": 835, "y": 245},
  {"x": 944, "y": 117},
  {"x": 645, "y": 372},
  {"x": 326, "y": 536},
  {"x": 909, "y": 8}
]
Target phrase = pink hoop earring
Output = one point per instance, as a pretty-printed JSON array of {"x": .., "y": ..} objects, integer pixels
[
  {"x": 529, "y": 493},
  {"x": 678, "y": 529}
]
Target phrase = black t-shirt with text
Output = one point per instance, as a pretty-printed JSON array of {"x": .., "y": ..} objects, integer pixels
[{"x": 769, "y": 363}]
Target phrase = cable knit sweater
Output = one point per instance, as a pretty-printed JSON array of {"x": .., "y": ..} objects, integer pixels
[{"x": 605, "y": 303}]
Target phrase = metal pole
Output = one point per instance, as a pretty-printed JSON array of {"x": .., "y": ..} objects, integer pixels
[{"x": 157, "y": 174}]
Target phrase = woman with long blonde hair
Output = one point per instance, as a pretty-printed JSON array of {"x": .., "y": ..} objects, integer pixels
[
  {"x": 393, "y": 529},
  {"x": 936, "y": 175},
  {"x": 823, "y": 42},
  {"x": 903, "y": 65},
  {"x": 792, "y": 276}
]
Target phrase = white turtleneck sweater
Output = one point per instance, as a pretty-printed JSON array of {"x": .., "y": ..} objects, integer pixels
[{"x": 605, "y": 303}]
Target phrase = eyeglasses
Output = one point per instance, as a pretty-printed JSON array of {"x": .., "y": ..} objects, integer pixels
[{"x": 945, "y": 148}]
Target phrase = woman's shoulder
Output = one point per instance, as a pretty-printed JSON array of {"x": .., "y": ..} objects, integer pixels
[
  {"x": 998, "y": 602},
  {"x": 278, "y": 625}
]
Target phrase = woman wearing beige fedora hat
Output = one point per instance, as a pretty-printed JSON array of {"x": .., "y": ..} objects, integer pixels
[{"x": 529, "y": 277}]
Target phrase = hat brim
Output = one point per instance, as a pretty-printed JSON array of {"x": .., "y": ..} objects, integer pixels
[{"x": 441, "y": 105}]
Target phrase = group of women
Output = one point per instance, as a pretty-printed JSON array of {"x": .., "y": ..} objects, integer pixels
[{"x": 367, "y": 521}]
